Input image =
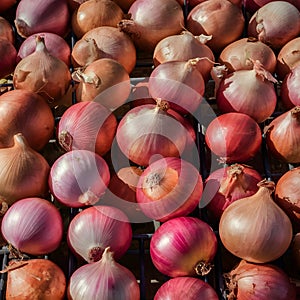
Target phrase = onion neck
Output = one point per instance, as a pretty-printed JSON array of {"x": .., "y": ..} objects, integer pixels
[
  {"x": 295, "y": 113},
  {"x": 129, "y": 27},
  {"x": 161, "y": 105},
  {"x": 88, "y": 198},
  {"x": 65, "y": 139},
  {"x": 203, "y": 268},
  {"x": 80, "y": 76},
  {"x": 265, "y": 189},
  {"x": 40, "y": 44},
  {"x": 261, "y": 72},
  {"x": 20, "y": 141}
]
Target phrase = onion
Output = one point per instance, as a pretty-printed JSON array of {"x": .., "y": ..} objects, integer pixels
[
  {"x": 275, "y": 23},
  {"x": 183, "y": 47},
  {"x": 221, "y": 19},
  {"x": 98, "y": 227},
  {"x": 287, "y": 195},
  {"x": 95, "y": 13},
  {"x": 183, "y": 246},
  {"x": 43, "y": 73},
  {"x": 228, "y": 184},
  {"x": 180, "y": 83},
  {"x": 233, "y": 137},
  {"x": 25, "y": 112},
  {"x": 105, "y": 42},
  {"x": 148, "y": 132},
  {"x": 282, "y": 136},
  {"x": 251, "y": 92},
  {"x": 87, "y": 125},
  {"x": 252, "y": 6},
  {"x": 288, "y": 57},
  {"x": 250, "y": 281},
  {"x": 8, "y": 53},
  {"x": 240, "y": 55},
  {"x": 6, "y": 30},
  {"x": 295, "y": 252},
  {"x": 42, "y": 16},
  {"x": 35, "y": 279},
  {"x": 151, "y": 21},
  {"x": 79, "y": 178},
  {"x": 289, "y": 91},
  {"x": 23, "y": 173},
  {"x": 169, "y": 187},
  {"x": 188, "y": 288},
  {"x": 54, "y": 43},
  {"x": 255, "y": 228},
  {"x": 7, "y": 4},
  {"x": 33, "y": 226},
  {"x": 105, "y": 81},
  {"x": 193, "y": 3},
  {"x": 106, "y": 278}
]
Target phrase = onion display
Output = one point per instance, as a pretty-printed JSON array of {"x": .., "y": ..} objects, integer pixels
[
  {"x": 33, "y": 226},
  {"x": 23, "y": 172},
  {"x": 223, "y": 20},
  {"x": 105, "y": 277},
  {"x": 228, "y": 184},
  {"x": 250, "y": 281},
  {"x": 8, "y": 53},
  {"x": 233, "y": 137},
  {"x": 96, "y": 13},
  {"x": 79, "y": 178},
  {"x": 251, "y": 92},
  {"x": 42, "y": 16},
  {"x": 255, "y": 228},
  {"x": 188, "y": 288},
  {"x": 25, "y": 112},
  {"x": 275, "y": 23},
  {"x": 35, "y": 279},
  {"x": 183, "y": 246},
  {"x": 6, "y": 30},
  {"x": 282, "y": 136},
  {"x": 105, "y": 42},
  {"x": 151, "y": 21}
]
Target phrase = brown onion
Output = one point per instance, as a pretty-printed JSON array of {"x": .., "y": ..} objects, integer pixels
[
  {"x": 6, "y": 30},
  {"x": 95, "y": 13},
  {"x": 8, "y": 54},
  {"x": 23, "y": 172},
  {"x": 28, "y": 113},
  {"x": 255, "y": 228},
  {"x": 275, "y": 23},
  {"x": 105, "y": 42},
  {"x": 221, "y": 19},
  {"x": 283, "y": 136},
  {"x": 240, "y": 55},
  {"x": 249, "y": 281}
]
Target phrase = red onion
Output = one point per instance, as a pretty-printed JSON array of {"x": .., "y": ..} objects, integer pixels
[
  {"x": 275, "y": 23},
  {"x": 79, "y": 178},
  {"x": 33, "y": 226},
  {"x": 233, "y": 137},
  {"x": 87, "y": 125},
  {"x": 8, "y": 54},
  {"x": 180, "y": 83},
  {"x": 282, "y": 136},
  {"x": 6, "y": 30},
  {"x": 228, "y": 184},
  {"x": 55, "y": 44},
  {"x": 221, "y": 19},
  {"x": 251, "y": 92},
  {"x": 151, "y": 21},
  {"x": 290, "y": 86},
  {"x": 7, "y": 4},
  {"x": 106, "y": 278},
  {"x": 188, "y": 288},
  {"x": 42, "y": 16},
  {"x": 250, "y": 281},
  {"x": 98, "y": 227},
  {"x": 240, "y": 55},
  {"x": 183, "y": 246},
  {"x": 169, "y": 187}
]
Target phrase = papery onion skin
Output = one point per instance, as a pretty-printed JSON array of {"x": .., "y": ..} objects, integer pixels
[
  {"x": 169, "y": 188},
  {"x": 6, "y": 30},
  {"x": 8, "y": 53},
  {"x": 255, "y": 228},
  {"x": 106, "y": 278},
  {"x": 33, "y": 226},
  {"x": 183, "y": 246},
  {"x": 233, "y": 137},
  {"x": 188, "y": 288},
  {"x": 35, "y": 278},
  {"x": 79, "y": 178},
  {"x": 250, "y": 281},
  {"x": 275, "y": 23}
]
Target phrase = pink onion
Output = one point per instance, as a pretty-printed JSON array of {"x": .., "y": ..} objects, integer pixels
[
  {"x": 8, "y": 54},
  {"x": 79, "y": 178},
  {"x": 98, "y": 227},
  {"x": 33, "y": 226},
  {"x": 183, "y": 246},
  {"x": 105, "y": 278}
]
